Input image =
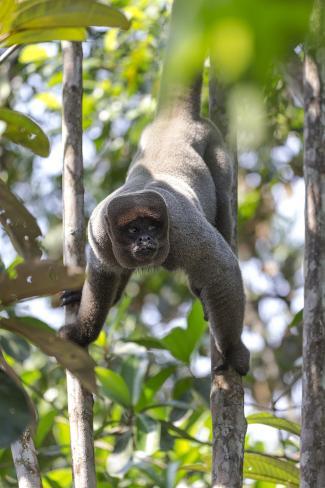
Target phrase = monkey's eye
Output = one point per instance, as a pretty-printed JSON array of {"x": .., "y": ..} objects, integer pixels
[{"x": 132, "y": 230}]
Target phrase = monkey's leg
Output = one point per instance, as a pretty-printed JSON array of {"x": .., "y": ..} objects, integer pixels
[
  {"x": 98, "y": 295},
  {"x": 218, "y": 277}
]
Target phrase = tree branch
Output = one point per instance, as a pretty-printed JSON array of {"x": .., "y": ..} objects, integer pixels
[
  {"x": 80, "y": 401},
  {"x": 227, "y": 393}
]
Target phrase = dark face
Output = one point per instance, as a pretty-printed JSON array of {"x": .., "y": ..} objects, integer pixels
[
  {"x": 141, "y": 239},
  {"x": 138, "y": 226}
]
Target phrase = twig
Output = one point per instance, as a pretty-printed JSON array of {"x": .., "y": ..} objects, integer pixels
[
  {"x": 80, "y": 401},
  {"x": 8, "y": 52}
]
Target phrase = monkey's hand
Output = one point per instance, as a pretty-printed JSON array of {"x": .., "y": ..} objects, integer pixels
[
  {"x": 237, "y": 356},
  {"x": 69, "y": 297},
  {"x": 73, "y": 332}
]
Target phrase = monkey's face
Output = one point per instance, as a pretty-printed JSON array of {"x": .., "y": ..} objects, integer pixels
[
  {"x": 142, "y": 240},
  {"x": 139, "y": 230}
]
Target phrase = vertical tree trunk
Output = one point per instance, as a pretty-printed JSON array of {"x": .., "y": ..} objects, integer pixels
[
  {"x": 80, "y": 401},
  {"x": 313, "y": 401},
  {"x": 26, "y": 463},
  {"x": 227, "y": 393}
]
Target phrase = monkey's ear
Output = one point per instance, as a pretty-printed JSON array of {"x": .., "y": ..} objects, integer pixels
[{"x": 125, "y": 208}]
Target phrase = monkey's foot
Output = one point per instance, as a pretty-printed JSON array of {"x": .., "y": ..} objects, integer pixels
[
  {"x": 72, "y": 332},
  {"x": 69, "y": 297},
  {"x": 237, "y": 357}
]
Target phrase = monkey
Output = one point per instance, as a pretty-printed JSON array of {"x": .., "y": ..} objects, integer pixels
[{"x": 172, "y": 211}]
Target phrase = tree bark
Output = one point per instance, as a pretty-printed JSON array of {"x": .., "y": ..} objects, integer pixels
[
  {"x": 80, "y": 401},
  {"x": 313, "y": 400},
  {"x": 26, "y": 463},
  {"x": 227, "y": 393}
]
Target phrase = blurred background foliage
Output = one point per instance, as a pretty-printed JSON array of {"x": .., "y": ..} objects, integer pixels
[{"x": 152, "y": 421}]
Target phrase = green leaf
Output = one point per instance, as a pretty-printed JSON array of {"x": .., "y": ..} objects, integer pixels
[
  {"x": 182, "y": 342},
  {"x": 44, "y": 425},
  {"x": 297, "y": 319},
  {"x": 114, "y": 386},
  {"x": 33, "y": 54},
  {"x": 19, "y": 224},
  {"x": 133, "y": 371},
  {"x": 24, "y": 131},
  {"x": 16, "y": 410},
  {"x": 38, "y": 35},
  {"x": 273, "y": 421},
  {"x": 267, "y": 468},
  {"x": 148, "y": 434},
  {"x": 59, "y": 13},
  {"x": 68, "y": 354},
  {"x": 38, "y": 278},
  {"x": 151, "y": 386}
]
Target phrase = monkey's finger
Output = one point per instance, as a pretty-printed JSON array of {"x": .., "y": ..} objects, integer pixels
[{"x": 70, "y": 297}]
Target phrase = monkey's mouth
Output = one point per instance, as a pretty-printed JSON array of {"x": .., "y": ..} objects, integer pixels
[{"x": 144, "y": 252}]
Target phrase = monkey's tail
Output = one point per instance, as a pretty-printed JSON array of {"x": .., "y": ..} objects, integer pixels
[{"x": 180, "y": 90}]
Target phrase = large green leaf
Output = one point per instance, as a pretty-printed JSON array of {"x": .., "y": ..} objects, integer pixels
[
  {"x": 19, "y": 224},
  {"x": 24, "y": 131},
  {"x": 38, "y": 278},
  {"x": 69, "y": 355},
  {"x": 44, "y": 425},
  {"x": 16, "y": 409},
  {"x": 273, "y": 421},
  {"x": 182, "y": 342},
  {"x": 267, "y": 468},
  {"x": 37, "y": 35},
  {"x": 114, "y": 386},
  {"x": 60, "y": 13}
]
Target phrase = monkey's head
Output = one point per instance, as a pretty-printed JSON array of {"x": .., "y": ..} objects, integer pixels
[{"x": 138, "y": 226}]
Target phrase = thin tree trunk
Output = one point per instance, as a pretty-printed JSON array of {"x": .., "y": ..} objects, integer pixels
[
  {"x": 80, "y": 401},
  {"x": 227, "y": 393},
  {"x": 26, "y": 463},
  {"x": 313, "y": 400}
]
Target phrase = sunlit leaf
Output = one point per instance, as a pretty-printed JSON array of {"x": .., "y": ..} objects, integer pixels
[
  {"x": 273, "y": 421},
  {"x": 267, "y": 468},
  {"x": 38, "y": 35},
  {"x": 19, "y": 224},
  {"x": 32, "y": 54},
  {"x": 38, "y": 278},
  {"x": 59, "y": 13},
  {"x": 114, "y": 386},
  {"x": 133, "y": 371},
  {"x": 24, "y": 131},
  {"x": 69, "y": 355},
  {"x": 50, "y": 100},
  {"x": 16, "y": 409}
]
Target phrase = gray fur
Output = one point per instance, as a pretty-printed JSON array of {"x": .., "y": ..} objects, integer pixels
[{"x": 181, "y": 158}]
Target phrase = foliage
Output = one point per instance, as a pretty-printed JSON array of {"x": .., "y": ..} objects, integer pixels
[{"x": 152, "y": 424}]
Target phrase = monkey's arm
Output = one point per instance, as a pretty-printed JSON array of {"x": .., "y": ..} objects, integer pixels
[
  {"x": 101, "y": 290},
  {"x": 216, "y": 278}
]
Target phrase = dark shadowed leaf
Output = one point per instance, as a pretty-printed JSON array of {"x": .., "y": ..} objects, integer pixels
[
  {"x": 267, "y": 468},
  {"x": 273, "y": 421},
  {"x": 38, "y": 278},
  {"x": 37, "y": 35},
  {"x": 19, "y": 224},
  {"x": 59, "y": 13},
  {"x": 69, "y": 355},
  {"x": 14, "y": 346},
  {"x": 114, "y": 386},
  {"x": 133, "y": 371},
  {"x": 16, "y": 409},
  {"x": 24, "y": 131}
]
